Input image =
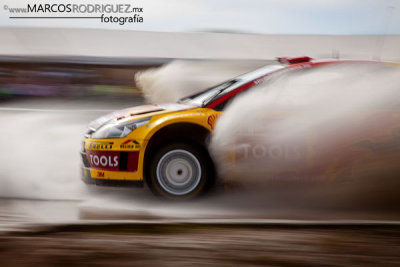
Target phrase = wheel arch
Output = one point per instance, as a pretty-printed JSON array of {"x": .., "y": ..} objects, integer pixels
[{"x": 177, "y": 132}]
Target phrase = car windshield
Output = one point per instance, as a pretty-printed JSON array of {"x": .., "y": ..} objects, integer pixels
[
  {"x": 205, "y": 97},
  {"x": 201, "y": 98}
]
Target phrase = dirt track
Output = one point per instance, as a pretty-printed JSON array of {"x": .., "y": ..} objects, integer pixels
[{"x": 175, "y": 245}]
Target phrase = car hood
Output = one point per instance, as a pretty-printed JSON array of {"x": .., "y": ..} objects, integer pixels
[{"x": 138, "y": 112}]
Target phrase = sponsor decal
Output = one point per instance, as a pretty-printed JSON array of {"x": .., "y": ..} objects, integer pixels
[
  {"x": 130, "y": 144},
  {"x": 100, "y": 174},
  {"x": 101, "y": 145},
  {"x": 280, "y": 152},
  {"x": 211, "y": 120},
  {"x": 103, "y": 160}
]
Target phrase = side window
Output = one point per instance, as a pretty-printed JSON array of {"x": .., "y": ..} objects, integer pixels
[{"x": 224, "y": 104}]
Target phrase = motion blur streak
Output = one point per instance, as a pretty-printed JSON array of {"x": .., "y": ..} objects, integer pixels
[
  {"x": 334, "y": 125},
  {"x": 182, "y": 78}
]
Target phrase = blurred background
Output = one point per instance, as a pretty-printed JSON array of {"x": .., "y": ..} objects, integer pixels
[{"x": 58, "y": 74}]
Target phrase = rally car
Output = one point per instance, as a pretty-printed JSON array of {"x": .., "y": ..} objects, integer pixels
[{"x": 165, "y": 145}]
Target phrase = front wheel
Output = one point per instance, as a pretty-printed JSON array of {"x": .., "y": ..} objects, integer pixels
[{"x": 180, "y": 171}]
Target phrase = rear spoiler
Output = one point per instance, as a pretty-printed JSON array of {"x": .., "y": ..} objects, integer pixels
[{"x": 293, "y": 60}]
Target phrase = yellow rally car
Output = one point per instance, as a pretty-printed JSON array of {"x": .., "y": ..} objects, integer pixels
[{"x": 166, "y": 145}]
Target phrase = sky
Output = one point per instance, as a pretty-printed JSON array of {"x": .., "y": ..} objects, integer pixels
[{"x": 248, "y": 16}]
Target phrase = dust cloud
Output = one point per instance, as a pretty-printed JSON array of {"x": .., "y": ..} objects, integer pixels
[
  {"x": 40, "y": 155},
  {"x": 182, "y": 78},
  {"x": 337, "y": 127}
]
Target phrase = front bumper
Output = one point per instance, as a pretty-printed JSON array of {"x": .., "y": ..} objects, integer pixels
[
  {"x": 87, "y": 178},
  {"x": 121, "y": 177}
]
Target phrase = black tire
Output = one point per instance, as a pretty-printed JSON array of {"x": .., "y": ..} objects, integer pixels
[{"x": 180, "y": 171}]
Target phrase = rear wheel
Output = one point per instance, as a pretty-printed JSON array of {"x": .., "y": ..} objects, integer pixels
[{"x": 180, "y": 171}]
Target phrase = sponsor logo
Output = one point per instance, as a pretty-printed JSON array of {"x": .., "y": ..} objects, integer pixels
[
  {"x": 100, "y": 174},
  {"x": 271, "y": 152},
  {"x": 211, "y": 120},
  {"x": 101, "y": 145},
  {"x": 104, "y": 161},
  {"x": 130, "y": 144}
]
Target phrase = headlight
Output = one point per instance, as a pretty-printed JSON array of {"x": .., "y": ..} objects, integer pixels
[{"x": 116, "y": 130}]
